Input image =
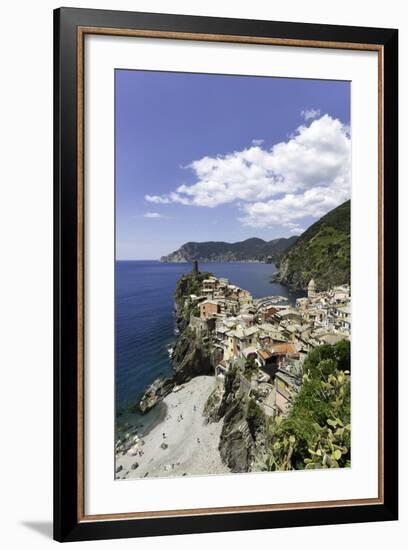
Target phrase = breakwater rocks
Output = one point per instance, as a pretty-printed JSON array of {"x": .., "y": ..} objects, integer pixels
[{"x": 155, "y": 393}]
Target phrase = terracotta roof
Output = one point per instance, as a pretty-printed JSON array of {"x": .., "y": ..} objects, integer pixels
[{"x": 284, "y": 348}]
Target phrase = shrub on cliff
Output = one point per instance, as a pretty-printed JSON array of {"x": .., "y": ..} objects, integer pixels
[
  {"x": 338, "y": 357},
  {"x": 250, "y": 368},
  {"x": 190, "y": 284},
  {"x": 316, "y": 432}
]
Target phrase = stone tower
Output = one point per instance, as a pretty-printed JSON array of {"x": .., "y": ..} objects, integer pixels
[
  {"x": 311, "y": 289},
  {"x": 194, "y": 271}
]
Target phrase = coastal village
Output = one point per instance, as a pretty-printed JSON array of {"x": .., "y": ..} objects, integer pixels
[
  {"x": 267, "y": 339},
  {"x": 232, "y": 352}
]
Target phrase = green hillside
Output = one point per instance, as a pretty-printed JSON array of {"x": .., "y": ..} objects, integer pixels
[
  {"x": 217, "y": 251},
  {"x": 321, "y": 253}
]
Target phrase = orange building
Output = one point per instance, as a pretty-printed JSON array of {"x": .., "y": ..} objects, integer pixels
[{"x": 208, "y": 308}]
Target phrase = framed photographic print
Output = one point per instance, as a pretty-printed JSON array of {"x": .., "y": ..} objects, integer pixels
[{"x": 225, "y": 274}]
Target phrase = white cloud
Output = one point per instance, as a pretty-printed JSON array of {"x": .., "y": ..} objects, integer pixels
[
  {"x": 257, "y": 142},
  {"x": 314, "y": 202},
  {"x": 308, "y": 114},
  {"x": 294, "y": 228},
  {"x": 153, "y": 215},
  {"x": 167, "y": 199},
  {"x": 305, "y": 176},
  {"x": 298, "y": 230},
  {"x": 157, "y": 199}
]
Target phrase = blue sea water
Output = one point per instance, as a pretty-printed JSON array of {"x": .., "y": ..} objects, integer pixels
[{"x": 144, "y": 315}]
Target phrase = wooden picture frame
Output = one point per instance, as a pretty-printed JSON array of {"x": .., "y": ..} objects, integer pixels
[{"x": 70, "y": 27}]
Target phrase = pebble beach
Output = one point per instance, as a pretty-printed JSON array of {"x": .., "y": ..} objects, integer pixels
[{"x": 173, "y": 439}]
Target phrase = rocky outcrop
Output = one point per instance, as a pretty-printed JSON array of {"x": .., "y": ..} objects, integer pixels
[
  {"x": 244, "y": 422},
  {"x": 242, "y": 434},
  {"x": 191, "y": 355},
  {"x": 155, "y": 393},
  {"x": 213, "y": 408},
  {"x": 221, "y": 399},
  {"x": 236, "y": 441}
]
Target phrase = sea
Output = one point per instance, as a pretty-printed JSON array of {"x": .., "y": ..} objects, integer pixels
[{"x": 145, "y": 321}]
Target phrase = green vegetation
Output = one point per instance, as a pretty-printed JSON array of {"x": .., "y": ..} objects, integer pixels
[
  {"x": 187, "y": 285},
  {"x": 316, "y": 432},
  {"x": 250, "y": 368},
  {"x": 213, "y": 251},
  {"x": 321, "y": 253},
  {"x": 253, "y": 410},
  {"x": 190, "y": 284}
]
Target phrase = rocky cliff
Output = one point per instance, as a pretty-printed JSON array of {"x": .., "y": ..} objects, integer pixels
[
  {"x": 192, "y": 355},
  {"x": 243, "y": 430},
  {"x": 243, "y": 427},
  {"x": 243, "y": 422}
]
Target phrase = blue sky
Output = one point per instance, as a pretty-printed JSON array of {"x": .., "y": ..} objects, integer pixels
[{"x": 213, "y": 157}]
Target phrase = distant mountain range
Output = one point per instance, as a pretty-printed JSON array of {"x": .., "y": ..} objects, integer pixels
[
  {"x": 250, "y": 250},
  {"x": 321, "y": 253}
]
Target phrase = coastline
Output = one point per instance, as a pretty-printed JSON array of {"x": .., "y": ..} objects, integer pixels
[
  {"x": 145, "y": 316},
  {"x": 216, "y": 261},
  {"x": 237, "y": 366},
  {"x": 176, "y": 432},
  {"x": 189, "y": 445}
]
